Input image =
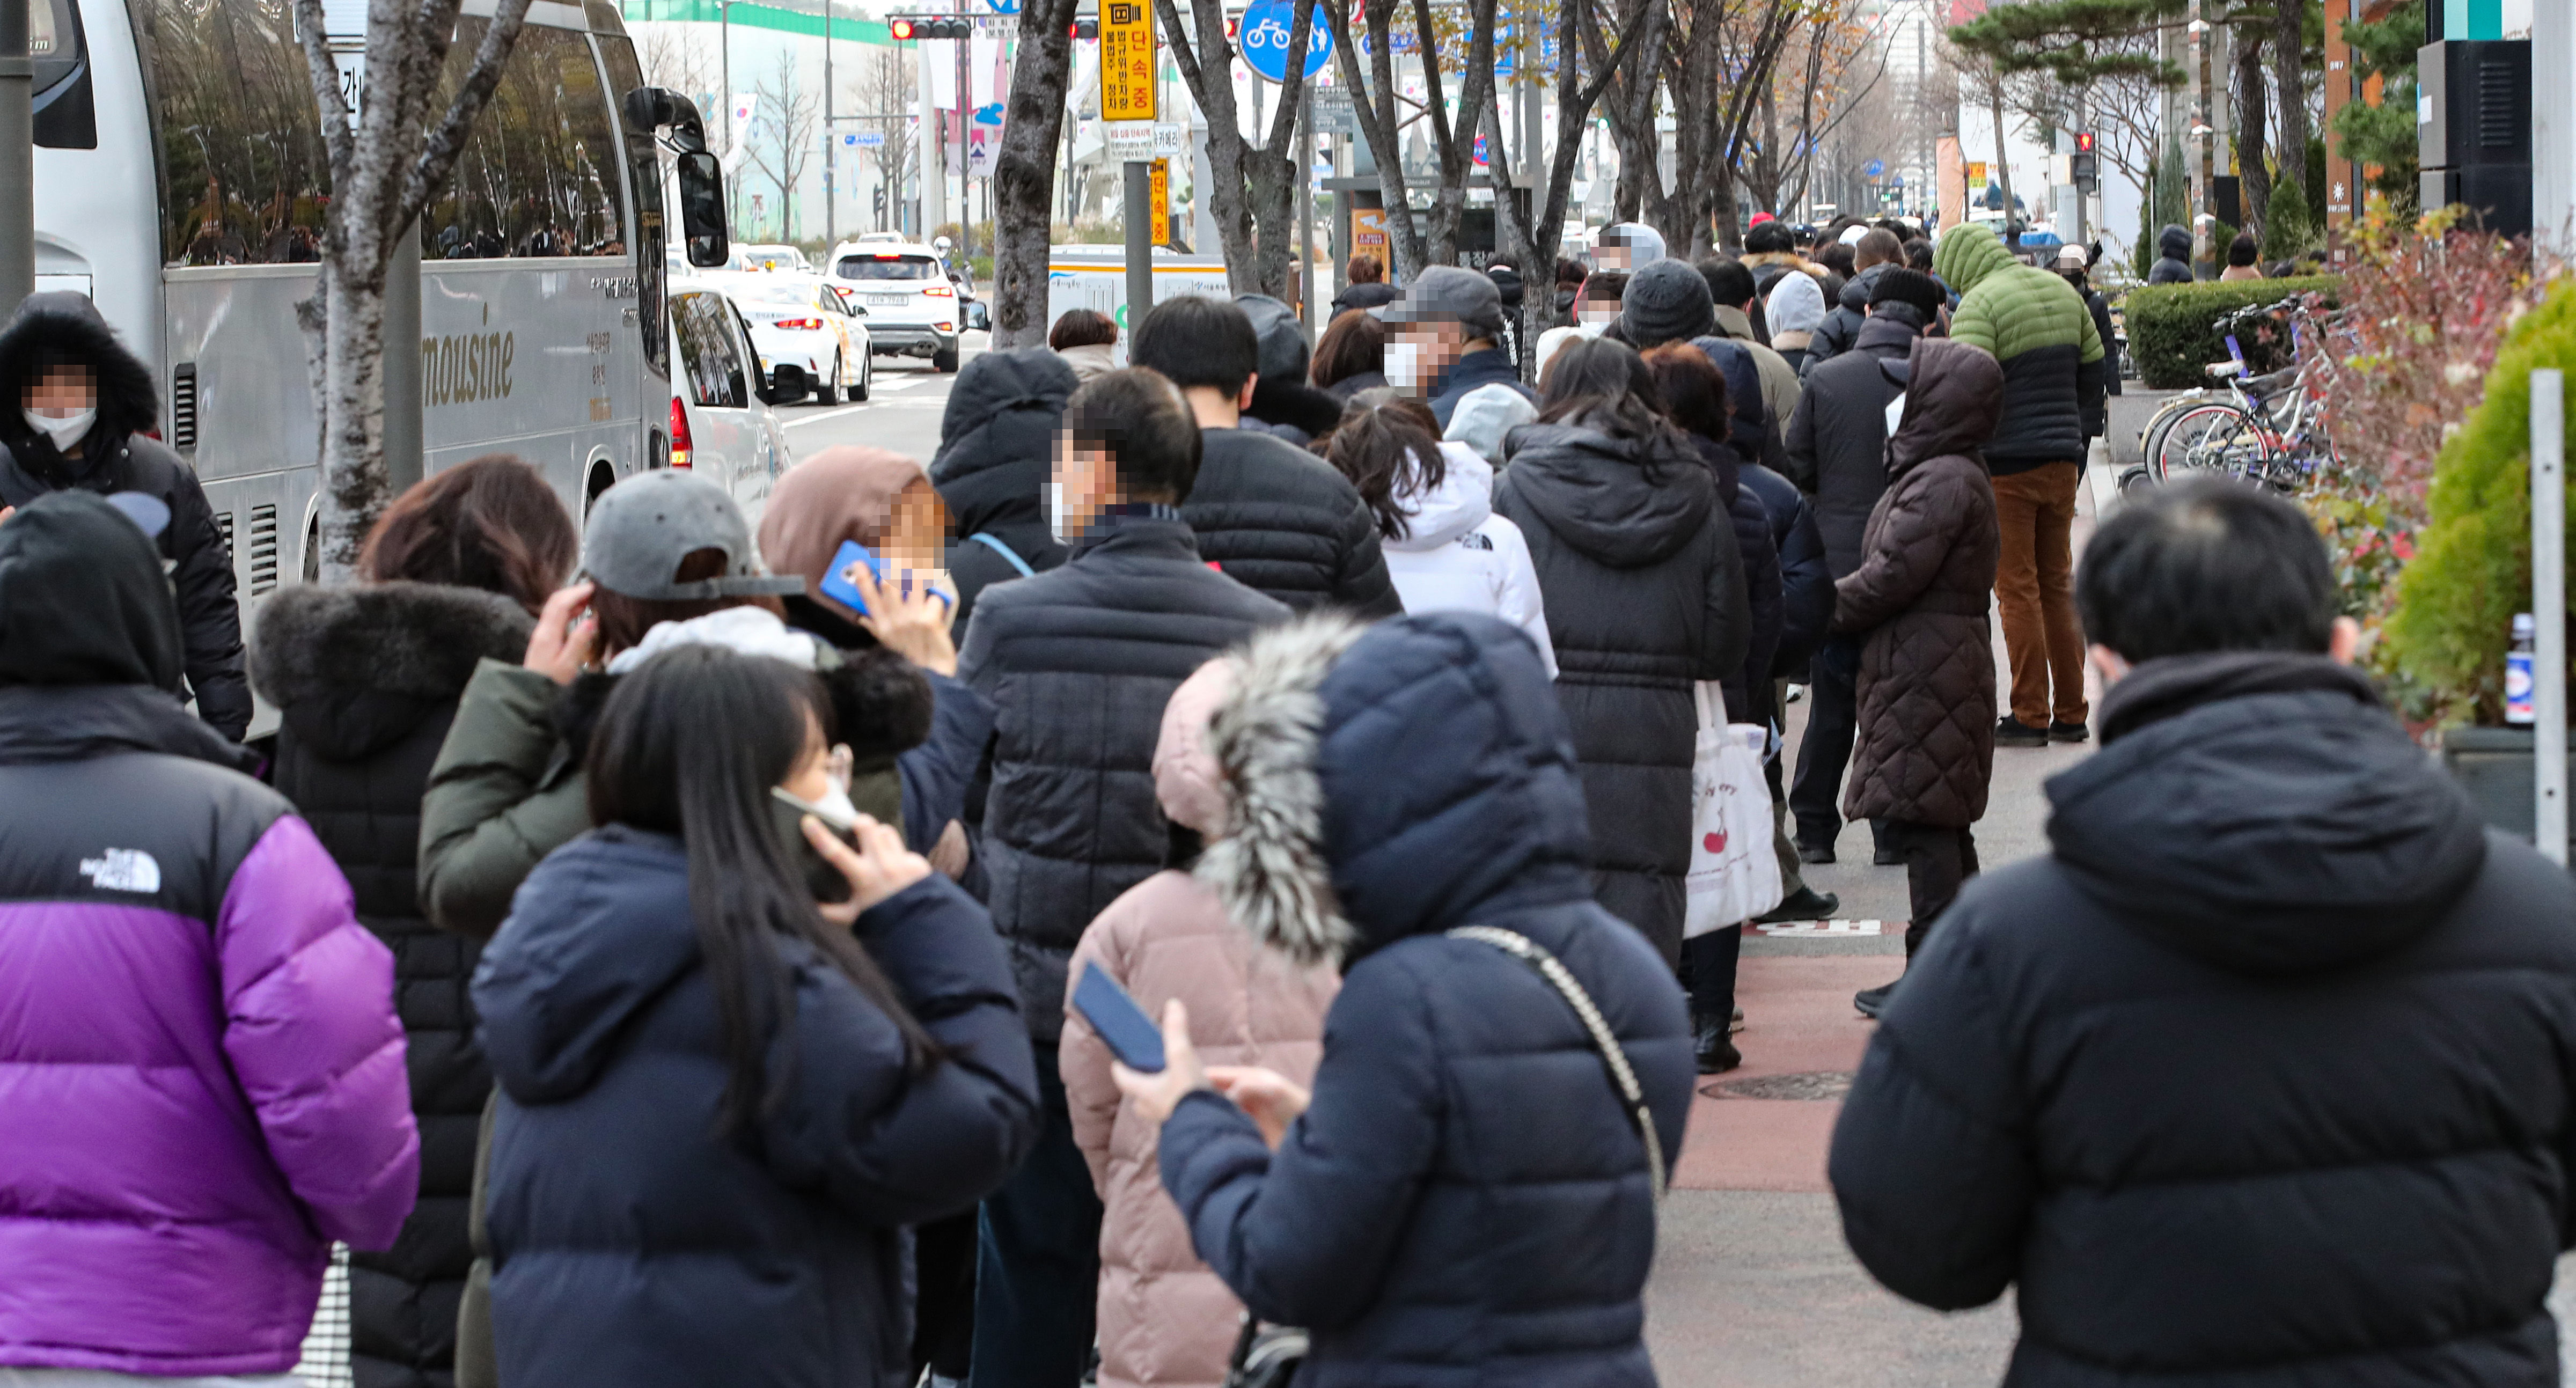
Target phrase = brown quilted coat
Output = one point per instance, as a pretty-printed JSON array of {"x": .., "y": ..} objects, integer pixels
[{"x": 1927, "y": 671}]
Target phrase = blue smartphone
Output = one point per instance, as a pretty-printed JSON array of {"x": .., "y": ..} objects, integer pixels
[
  {"x": 1112, "y": 1011},
  {"x": 838, "y": 584}
]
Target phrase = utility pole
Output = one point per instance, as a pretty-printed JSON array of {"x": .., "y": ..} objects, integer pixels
[
  {"x": 965, "y": 115},
  {"x": 831, "y": 223},
  {"x": 17, "y": 159}
]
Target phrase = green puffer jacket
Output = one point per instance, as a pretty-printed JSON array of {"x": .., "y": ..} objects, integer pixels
[{"x": 2039, "y": 328}]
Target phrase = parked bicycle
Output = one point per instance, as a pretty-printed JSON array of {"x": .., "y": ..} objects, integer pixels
[{"x": 2264, "y": 428}]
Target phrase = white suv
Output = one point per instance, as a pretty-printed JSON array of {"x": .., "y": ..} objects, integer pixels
[{"x": 914, "y": 310}]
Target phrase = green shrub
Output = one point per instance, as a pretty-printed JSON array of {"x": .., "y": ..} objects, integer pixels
[
  {"x": 2472, "y": 566},
  {"x": 2172, "y": 333},
  {"x": 2285, "y": 224}
]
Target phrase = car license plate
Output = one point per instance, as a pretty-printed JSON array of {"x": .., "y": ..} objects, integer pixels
[{"x": 888, "y": 300}]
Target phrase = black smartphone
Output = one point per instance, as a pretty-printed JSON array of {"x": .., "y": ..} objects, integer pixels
[
  {"x": 821, "y": 878},
  {"x": 1133, "y": 1037}
]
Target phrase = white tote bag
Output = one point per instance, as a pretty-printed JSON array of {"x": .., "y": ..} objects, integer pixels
[{"x": 1734, "y": 875}]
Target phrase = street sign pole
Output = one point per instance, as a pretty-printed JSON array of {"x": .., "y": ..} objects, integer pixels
[
  {"x": 17, "y": 159},
  {"x": 831, "y": 224},
  {"x": 2549, "y": 612},
  {"x": 1128, "y": 79}
]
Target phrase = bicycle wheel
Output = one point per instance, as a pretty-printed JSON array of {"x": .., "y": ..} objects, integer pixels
[{"x": 2212, "y": 437}]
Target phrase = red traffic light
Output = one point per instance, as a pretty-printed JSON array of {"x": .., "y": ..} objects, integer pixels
[
  {"x": 900, "y": 29},
  {"x": 2084, "y": 142}
]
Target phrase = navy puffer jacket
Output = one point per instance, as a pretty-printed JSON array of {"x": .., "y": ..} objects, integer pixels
[{"x": 1466, "y": 1201}]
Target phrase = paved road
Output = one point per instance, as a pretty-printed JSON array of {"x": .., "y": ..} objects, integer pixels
[{"x": 902, "y": 412}]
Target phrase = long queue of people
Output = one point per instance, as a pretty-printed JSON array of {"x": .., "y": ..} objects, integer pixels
[{"x": 654, "y": 948}]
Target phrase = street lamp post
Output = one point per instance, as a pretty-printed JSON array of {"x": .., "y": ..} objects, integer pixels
[{"x": 830, "y": 151}]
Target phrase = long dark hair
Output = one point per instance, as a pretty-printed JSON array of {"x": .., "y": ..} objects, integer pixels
[
  {"x": 1694, "y": 390},
  {"x": 1600, "y": 384},
  {"x": 491, "y": 523},
  {"x": 1382, "y": 446},
  {"x": 691, "y": 744}
]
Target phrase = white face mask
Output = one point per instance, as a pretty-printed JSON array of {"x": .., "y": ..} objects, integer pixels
[
  {"x": 1406, "y": 366},
  {"x": 837, "y": 801},
  {"x": 64, "y": 431},
  {"x": 1054, "y": 493}
]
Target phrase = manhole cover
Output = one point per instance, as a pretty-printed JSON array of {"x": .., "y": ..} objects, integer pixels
[{"x": 1815, "y": 1084}]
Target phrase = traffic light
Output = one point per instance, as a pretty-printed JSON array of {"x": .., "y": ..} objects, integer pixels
[
  {"x": 1086, "y": 29},
  {"x": 905, "y": 28},
  {"x": 2086, "y": 165}
]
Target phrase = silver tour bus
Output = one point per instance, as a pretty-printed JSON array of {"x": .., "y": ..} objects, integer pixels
[{"x": 181, "y": 181}]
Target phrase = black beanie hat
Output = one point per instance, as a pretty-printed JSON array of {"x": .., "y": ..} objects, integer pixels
[
  {"x": 1666, "y": 302},
  {"x": 1896, "y": 284},
  {"x": 83, "y": 599}
]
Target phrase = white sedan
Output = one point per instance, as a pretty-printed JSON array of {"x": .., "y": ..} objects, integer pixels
[{"x": 803, "y": 325}]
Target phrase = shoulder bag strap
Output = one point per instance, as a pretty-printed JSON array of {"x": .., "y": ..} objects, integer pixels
[
  {"x": 994, "y": 543},
  {"x": 1623, "y": 1076}
]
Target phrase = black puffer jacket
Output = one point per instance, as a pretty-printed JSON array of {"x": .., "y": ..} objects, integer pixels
[
  {"x": 1645, "y": 594},
  {"x": 1465, "y": 1201},
  {"x": 1078, "y": 664},
  {"x": 1283, "y": 522},
  {"x": 116, "y": 456},
  {"x": 1806, "y": 584},
  {"x": 1837, "y": 441},
  {"x": 2262, "y": 1078},
  {"x": 637, "y": 1244},
  {"x": 2173, "y": 257},
  {"x": 1840, "y": 332},
  {"x": 367, "y": 680},
  {"x": 996, "y": 454}
]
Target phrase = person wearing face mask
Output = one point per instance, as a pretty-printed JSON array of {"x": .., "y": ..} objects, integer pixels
[
  {"x": 1446, "y": 327},
  {"x": 79, "y": 408},
  {"x": 994, "y": 441},
  {"x": 1079, "y": 663}
]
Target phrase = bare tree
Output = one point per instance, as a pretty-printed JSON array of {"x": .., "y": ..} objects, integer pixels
[
  {"x": 782, "y": 140},
  {"x": 386, "y": 164},
  {"x": 1253, "y": 188},
  {"x": 886, "y": 87},
  {"x": 1024, "y": 173},
  {"x": 671, "y": 58}
]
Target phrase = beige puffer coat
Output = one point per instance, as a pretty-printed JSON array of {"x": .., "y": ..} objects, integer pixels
[{"x": 1165, "y": 1319}]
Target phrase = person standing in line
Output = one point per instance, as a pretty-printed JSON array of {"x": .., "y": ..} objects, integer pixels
[
  {"x": 1087, "y": 340},
  {"x": 1165, "y": 1319},
  {"x": 2053, "y": 360},
  {"x": 1873, "y": 254},
  {"x": 1927, "y": 663},
  {"x": 366, "y": 679},
  {"x": 2265, "y": 1072},
  {"x": 1367, "y": 289},
  {"x": 1645, "y": 595},
  {"x": 204, "y": 1070},
  {"x": 1837, "y": 452},
  {"x": 995, "y": 438},
  {"x": 1350, "y": 357},
  {"x": 1796, "y": 308},
  {"x": 723, "y": 1100},
  {"x": 1283, "y": 405},
  {"x": 1448, "y": 327},
  {"x": 1730, "y": 289},
  {"x": 1445, "y": 548},
  {"x": 1079, "y": 663},
  {"x": 1465, "y": 1157},
  {"x": 1267, "y": 513},
  {"x": 78, "y": 412}
]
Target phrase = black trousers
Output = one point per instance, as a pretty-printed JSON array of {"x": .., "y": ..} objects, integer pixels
[
  {"x": 1708, "y": 964},
  {"x": 1938, "y": 860},
  {"x": 943, "y": 1316},
  {"x": 1037, "y": 1273},
  {"x": 1833, "y": 710}
]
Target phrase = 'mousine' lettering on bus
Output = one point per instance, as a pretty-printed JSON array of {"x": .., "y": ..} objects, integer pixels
[{"x": 473, "y": 366}]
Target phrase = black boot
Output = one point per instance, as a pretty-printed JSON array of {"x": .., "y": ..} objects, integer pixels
[{"x": 1717, "y": 1055}]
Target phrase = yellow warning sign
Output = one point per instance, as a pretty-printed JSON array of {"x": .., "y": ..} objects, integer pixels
[
  {"x": 1162, "y": 202},
  {"x": 1127, "y": 60}
]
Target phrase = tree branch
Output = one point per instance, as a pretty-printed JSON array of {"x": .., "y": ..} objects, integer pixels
[{"x": 438, "y": 157}]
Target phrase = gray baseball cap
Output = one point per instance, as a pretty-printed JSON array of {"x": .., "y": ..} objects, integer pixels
[
  {"x": 1446, "y": 291},
  {"x": 642, "y": 528}
]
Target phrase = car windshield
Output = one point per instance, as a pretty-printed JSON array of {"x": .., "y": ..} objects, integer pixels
[
  {"x": 887, "y": 267},
  {"x": 784, "y": 295}
]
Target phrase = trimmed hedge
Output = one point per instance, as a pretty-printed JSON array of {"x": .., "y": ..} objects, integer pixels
[
  {"x": 2472, "y": 565},
  {"x": 2171, "y": 332}
]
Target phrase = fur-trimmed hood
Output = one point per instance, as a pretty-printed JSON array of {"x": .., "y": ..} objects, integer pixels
[
  {"x": 355, "y": 667},
  {"x": 1392, "y": 781},
  {"x": 69, "y": 324}
]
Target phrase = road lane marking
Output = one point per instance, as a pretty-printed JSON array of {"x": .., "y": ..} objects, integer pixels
[{"x": 804, "y": 420}]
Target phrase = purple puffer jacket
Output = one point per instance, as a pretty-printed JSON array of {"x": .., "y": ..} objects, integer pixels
[{"x": 201, "y": 1075}]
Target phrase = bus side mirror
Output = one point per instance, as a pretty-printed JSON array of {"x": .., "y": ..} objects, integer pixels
[{"x": 702, "y": 212}]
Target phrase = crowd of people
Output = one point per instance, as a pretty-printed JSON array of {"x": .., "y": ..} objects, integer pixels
[{"x": 651, "y": 945}]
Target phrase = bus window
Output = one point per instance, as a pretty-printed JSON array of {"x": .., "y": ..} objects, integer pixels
[
  {"x": 707, "y": 351},
  {"x": 538, "y": 177},
  {"x": 66, "y": 114},
  {"x": 644, "y": 188},
  {"x": 242, "y": 166}
]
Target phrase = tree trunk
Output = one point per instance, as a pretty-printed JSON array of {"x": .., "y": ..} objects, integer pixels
[
  {"x": 2003, "y": 164},
  {"x": 1249, "y": 186},
  {"x": 1373, "y": 102},
  {"x": 2289, "y": 43},
  {"x": 1024, "y": 175},
  {"x": 2252, "y": 174}
]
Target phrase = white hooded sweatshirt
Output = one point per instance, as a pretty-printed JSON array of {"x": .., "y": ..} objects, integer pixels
[{"x": 1461, "y": 557}]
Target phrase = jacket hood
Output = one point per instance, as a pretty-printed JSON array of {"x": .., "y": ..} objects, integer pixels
[
  {"x": 1486, "y": 416},
  {"x": 1952, "y": 404},
  {"x": 1311, "y": 412},
  {"x": 997, "y": 438},
  {"x": 1968, "y": 253},
  {"x": 1592, "y": 489},
  {"x": 1857, "y": 289},
  {"x": 1751, "y": 417},
  {"x": 1462, "y": 501},
  {"x": 559, "y": 986},
  {"x": 1091, "y": 359},
  {"x": 2261, "y": 812},
  {"x": 1329, "y": 858},
  {"x": 1796, "y": 304},
  {"x": 69, "y": 324},
  {"x": 1188, "y": 783},
  {"x": 1889, "y": 334},
  {"x": 354, "y": 668},
  {"x": 1281, "y": 336},
  {"x": 83, "y": 599},
  {"x": 2174, "y": 243},
  {"x": 57, "y": 723}
]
